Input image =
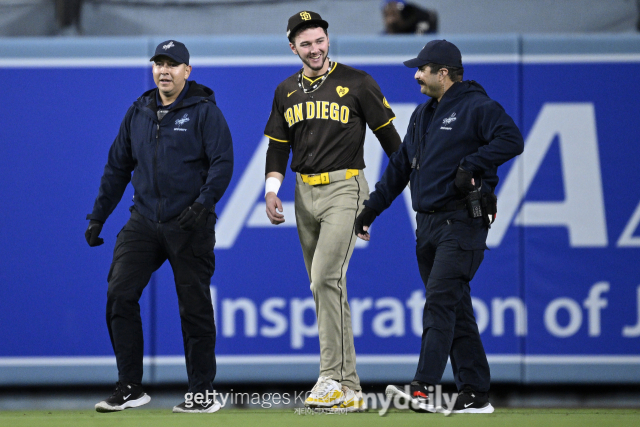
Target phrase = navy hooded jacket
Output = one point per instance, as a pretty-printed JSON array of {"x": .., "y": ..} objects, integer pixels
[
  {"x": 466, "y": 128},
  {"x": 185, "y": 158}
]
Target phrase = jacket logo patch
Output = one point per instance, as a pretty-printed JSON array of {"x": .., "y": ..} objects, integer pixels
[
  {"x": 342, "y": 91},
  {"x": 385, "y": 103},
  {"x": 168, "y": 46},
  {"x": 181, "y": 122},
  {"x": 446, "y": 122},
  {"x": 450, "y": 119}
]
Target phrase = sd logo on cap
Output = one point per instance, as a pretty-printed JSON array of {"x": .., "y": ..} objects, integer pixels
[{"x": 302, "y": 18}]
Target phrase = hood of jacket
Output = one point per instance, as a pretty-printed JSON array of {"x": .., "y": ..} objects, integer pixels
[
  {"x": 196, "y": 93},
  {"x": 460, "y": 89}
]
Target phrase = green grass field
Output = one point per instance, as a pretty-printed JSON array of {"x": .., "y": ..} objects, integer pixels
[{"x": 279, "y": 417}]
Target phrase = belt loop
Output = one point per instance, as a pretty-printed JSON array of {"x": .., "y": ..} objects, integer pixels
[{"x": 324, "y": 178}]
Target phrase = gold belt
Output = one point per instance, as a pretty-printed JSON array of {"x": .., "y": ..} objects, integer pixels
[{"x": 329, "y": 177}]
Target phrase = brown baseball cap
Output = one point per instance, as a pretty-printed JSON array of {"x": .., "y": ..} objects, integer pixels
[{"x": 302, "y": 18}]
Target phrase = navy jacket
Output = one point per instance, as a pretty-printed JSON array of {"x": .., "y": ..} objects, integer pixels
[
  {"x": 468, "y": 129},
  {"x": 185, "y": 158}
]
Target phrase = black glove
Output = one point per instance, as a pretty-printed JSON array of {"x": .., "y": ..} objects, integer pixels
[
  {"x": 93, "y": 233},
  {"x": 194, "y": 215},
  {"x": 463, "y": 181},
  {"x": 366, "y": 217}
]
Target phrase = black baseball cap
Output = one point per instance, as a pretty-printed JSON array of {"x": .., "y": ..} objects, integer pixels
[
  {"x": 302, "y": 18},
  {"x": 438, "y": 52},
  {"x": 174, "y": 50}
]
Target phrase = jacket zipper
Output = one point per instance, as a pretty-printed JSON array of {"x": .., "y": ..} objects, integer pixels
[
  {"x": 418, "y": 156},
  {"x": 155, "y": 163},
  {"x": 155, "y": 172},
  {"x": 423, "y": 143}
]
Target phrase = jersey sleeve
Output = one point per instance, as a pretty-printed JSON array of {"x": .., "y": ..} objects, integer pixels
[
  {"x": 277, "y": 128},
  {"x": 375, "y": 108}
]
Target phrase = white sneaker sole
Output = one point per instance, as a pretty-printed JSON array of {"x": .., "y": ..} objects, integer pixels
[
  {"x": 214, "y": 408},
  {"x": 105, "y": 407},
  {"x": 486, "y": 409},
  {"x": 415, "y": 404}
]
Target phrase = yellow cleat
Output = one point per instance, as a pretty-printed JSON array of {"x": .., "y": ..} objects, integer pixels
[{"x": 325, "y": 394}]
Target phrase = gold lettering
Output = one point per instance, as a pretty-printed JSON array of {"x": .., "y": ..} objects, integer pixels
[
  {"x": 288, "y": 115},
  {"x": 325, "y": 109},
  {"x": 318, "y": 109},
  {"x": 344, "y": 114},
  {"x": 334, "y": 111},
  {"x": 311, "y": 110},
  {"x": 297, "y": 111}
]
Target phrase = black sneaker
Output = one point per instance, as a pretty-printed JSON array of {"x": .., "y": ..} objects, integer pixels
[
  {"x": 191, "y": 407},
  {"x": 418, "y": 396},
  {"x": 123, "y": 397},
  {"x": 471, "y": 402}
]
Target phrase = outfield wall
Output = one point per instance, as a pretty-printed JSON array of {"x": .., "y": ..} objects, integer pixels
[{"x": 557, "y": 298}]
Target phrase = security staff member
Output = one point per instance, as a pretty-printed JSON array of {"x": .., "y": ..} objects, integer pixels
[
  {"x": 176, "y": 142},
  {"x": 450, "y": 155},
  {"x": 319, "y": 113}
]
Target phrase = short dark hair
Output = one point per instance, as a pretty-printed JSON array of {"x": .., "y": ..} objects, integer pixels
[
  {"x": 300, "y": 29},
  {"x": 455, "y": 73}
]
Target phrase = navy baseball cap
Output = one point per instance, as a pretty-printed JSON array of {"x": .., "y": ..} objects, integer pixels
[
  {"x": 438, "y": 52},
  {"x": 302, "y": 18},
  {"x": 174, "y": 50}
]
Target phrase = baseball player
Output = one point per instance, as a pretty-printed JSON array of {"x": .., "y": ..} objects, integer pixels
[{"x": 319, "y": 113}]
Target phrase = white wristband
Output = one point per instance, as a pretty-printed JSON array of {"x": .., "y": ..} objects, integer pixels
[{"x": 272, "y": 185}]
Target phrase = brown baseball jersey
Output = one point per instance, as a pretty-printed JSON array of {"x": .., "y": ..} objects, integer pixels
[{"x": 325, "y": 128}]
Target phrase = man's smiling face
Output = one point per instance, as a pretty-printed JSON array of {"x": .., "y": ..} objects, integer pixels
[
  {"x": 312, "y": 46},
  {"x": 170, "y": 76}
]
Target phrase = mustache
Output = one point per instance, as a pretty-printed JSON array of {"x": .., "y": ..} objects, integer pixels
[{"x": 420, "y": 82}]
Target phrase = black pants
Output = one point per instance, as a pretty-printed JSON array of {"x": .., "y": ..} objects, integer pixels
[
  {"x": 141, "y": 248},
  {"x": 450, "y": 247}
]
